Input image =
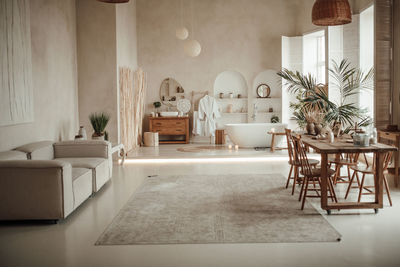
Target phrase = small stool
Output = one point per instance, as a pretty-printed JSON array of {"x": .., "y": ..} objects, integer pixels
[
  {"x": 150, "y": 139},
  {"x": 273, "y": 140},
  {"x": 220, "y": 137}
]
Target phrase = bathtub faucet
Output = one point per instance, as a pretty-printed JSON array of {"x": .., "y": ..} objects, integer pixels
[{"x": 254, "y": 116}]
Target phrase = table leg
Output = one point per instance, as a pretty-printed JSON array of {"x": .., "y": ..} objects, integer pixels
[
  {"x": 324, "y": 181},
  {"x": 396, "y": 163},
  {"x": 122, "y": 153},
  {"x": 273, "y": 143},
  {"x": 378, "y": 178}
]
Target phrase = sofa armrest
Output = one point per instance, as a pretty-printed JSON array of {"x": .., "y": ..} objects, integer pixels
[
  {"x": 35, "y": 189},
  {"x": 82, "y": 149}
]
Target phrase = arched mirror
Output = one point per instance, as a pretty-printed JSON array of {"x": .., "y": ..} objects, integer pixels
[
  {"x": 263, "y": 90},
  {"x": 170, "y": 92}
]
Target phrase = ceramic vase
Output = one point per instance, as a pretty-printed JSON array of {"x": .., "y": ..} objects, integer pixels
[
  {"x": 82, "y": 132},
  {"x": 318, "y": 129},
  {"x": 310, "y": 128}
]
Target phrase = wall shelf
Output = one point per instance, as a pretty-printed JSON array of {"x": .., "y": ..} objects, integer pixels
[{"x": 235, "y": 98}]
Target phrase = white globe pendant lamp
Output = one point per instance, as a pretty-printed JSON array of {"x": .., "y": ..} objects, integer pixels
[
  {"x": 192, "y": 48},
  {"x": 182, "y": 33}
]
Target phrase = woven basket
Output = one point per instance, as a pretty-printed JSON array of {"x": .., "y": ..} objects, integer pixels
[
  {"x": 114, "y": 1},
  {"x": 331, "y": 12}
]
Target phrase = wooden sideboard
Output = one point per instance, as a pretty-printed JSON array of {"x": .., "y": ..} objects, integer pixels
[
  {"x": 392, "y": 138},
  {"x": 170, "y": 126}
]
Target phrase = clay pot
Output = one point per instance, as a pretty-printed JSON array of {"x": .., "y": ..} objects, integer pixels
[
  {"x": 97, "y": 137},
  {"x": 318, "y": 129},
  {"x": 310, "y": 128}
]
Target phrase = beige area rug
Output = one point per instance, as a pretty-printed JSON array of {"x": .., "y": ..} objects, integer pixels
[{"x": 216, "y": 209}]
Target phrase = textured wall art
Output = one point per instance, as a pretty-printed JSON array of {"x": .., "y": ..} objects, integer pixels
[{"x": 16, "y": 93}]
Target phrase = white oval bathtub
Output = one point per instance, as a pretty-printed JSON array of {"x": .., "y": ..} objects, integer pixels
[{"x": 254, "y": 134}]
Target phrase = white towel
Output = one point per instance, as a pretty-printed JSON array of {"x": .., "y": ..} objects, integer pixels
[{"x": 198, "y": 125}]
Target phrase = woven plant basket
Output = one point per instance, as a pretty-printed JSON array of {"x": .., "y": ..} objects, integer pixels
[{"x": 331, "y": 12}]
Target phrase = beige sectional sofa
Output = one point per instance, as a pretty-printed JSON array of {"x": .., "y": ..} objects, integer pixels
[{"x": 47, "y": 181}]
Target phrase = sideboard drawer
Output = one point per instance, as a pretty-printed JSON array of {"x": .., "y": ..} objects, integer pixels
[
  {"x": 171, "y": 126},
  {"x": 168, "y": 124},
  {"x": 169, "y": 131},
  {"x": 387, "y": 135}
]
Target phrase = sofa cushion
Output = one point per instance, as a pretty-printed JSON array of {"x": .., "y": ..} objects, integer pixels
[
  {"x": 82, "y": 185},
  {"x": 89, "y": 163},
  {"x": 42, "y": 150},
  {"x": 99, "y": 167},
  {"x": 13, "y": 155},
  {"x": 77, "y": 172}
]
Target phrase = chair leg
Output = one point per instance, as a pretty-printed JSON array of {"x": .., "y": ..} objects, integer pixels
[
  {"x": 387, "y": 189},
  {"x": 330, "y": 194},
  {"x": 315, "y": 187},
  {"x": 337, "y": 174},
  {"x": 361, "y": 187},
  {"x": 358, "y": 179},
  {"x": 305, "y": 193},
  {"x": 330, "y": 183},
  {"x": 302, "y": 188},
  {"x": 296, "y": 176},
  {"x": 348, "y": 172},
  {"x": 350, "y": 184},
  {"x": 289, "y": 177}
]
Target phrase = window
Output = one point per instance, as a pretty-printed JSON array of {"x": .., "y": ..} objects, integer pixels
[
  {"x": 314, "y": 55},
  {"x": 320, "y": 64}
]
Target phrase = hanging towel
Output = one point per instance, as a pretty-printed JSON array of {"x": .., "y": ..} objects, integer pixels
[
  {"x": 198, "y": 125},
  {"x": 209, "y": 112}
]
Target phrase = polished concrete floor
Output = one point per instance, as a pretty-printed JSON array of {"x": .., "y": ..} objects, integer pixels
[{"x": 368, "y": 239}]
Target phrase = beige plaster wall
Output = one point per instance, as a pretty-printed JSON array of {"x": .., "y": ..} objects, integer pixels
[
  {"x": 126, "y": 34},
  {"x": 359, "y": 5},
  {"x": 126, "y": 39},
  {"x": 239, "y": 35},
  {"x": 97, "y": 59},
  {"x": 53, "y": 33}
]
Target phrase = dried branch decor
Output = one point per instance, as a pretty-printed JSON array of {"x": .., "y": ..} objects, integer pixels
[{"x": 132, "y": 94}]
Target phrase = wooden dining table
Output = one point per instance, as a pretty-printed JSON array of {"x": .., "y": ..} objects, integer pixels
[{"x": 343, "y": 145}]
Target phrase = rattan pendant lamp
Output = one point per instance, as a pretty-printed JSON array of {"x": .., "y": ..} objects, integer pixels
[
  {"x": 114, "y": 1},
  {"x": 331, "y": 12}
]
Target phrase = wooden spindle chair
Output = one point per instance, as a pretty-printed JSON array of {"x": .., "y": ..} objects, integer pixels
[
  {"x": 294, "y": 162},
  {"x": 369, "y": 169},
  {"x": 347, "y": 160},
  {"x": 312, "y": 175}
]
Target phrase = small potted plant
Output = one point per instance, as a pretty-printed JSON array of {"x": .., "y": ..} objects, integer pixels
[
  {"x": 157, "y": 105},
  {"x": 274, "y": 119},
  {"x": 99, "y": 122}
]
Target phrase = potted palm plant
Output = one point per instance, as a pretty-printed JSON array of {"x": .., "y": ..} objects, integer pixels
[
  {"x": 99, "y": 122},
  {"x": 312, "y": 98}
]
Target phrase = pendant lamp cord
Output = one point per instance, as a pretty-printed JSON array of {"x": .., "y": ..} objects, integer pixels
[
  {"x": 181, "y": 13},
  {"x": 191, "y": 3}
]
